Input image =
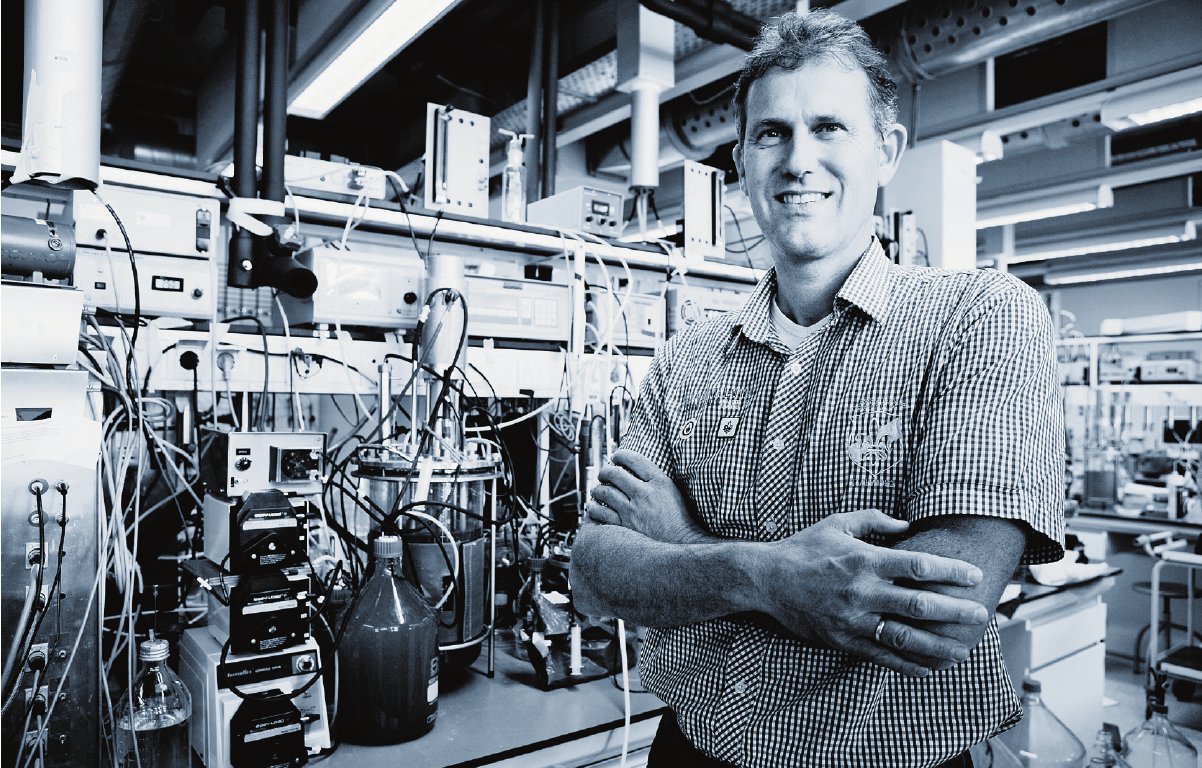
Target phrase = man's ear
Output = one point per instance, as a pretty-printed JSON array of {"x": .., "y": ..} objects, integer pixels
[
  {"x": 893, "y": 144},
  {"x": 737, "y": 154}
]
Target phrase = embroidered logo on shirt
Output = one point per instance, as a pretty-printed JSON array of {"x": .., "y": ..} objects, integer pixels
[
  {"x": 727, "y": 426},
  {"x": 872, "y": 440}
]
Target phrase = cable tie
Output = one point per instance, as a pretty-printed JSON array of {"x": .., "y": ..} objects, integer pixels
[{"x": 242, "y": 212}]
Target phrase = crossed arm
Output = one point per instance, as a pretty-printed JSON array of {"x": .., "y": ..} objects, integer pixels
[{"x": 645, "y": 558}]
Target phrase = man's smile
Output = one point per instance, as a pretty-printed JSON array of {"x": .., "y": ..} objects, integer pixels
[{"x": 801, "y": 200}]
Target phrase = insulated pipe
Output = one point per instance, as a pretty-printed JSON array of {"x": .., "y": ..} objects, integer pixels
[
  {"x": 275, "y": 100},
  {"x": 644, "y": 136},
  {"x": 1000, "y": 29},
  {"x": 240, "y": 273},
  {"x": 277, "y": 266},
  {"x": 60, "y": 101},
  {"x": 729, "y": 27},
  {"x": 534, "y": 101},
  {"x": 550, "y": 96}
]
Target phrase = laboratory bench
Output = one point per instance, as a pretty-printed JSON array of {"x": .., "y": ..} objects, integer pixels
[
  {"x": 510, "y": 721},
  {"x": 1103, "y": 520}
]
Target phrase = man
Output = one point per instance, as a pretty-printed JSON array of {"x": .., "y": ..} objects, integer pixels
[{"x": 865, "y": 452}]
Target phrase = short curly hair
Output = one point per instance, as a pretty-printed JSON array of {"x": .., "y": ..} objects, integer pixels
[{"x": 794, "y": 39}]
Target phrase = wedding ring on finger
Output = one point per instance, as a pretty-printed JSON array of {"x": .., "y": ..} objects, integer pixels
[{"x": 880, "y": 627}]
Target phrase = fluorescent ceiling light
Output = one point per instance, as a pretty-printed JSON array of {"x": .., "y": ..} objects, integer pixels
[
  {"x": 1016, "y": 208},
  {"x": 1154, "y": 105},
  {"x": 1105, "y": 243},
  {"x": 382, "y": 37},
  {"x": 1072, "y": 278}
]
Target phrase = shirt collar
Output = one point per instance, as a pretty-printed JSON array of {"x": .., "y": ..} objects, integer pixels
[{"x": 867, "y": 287}]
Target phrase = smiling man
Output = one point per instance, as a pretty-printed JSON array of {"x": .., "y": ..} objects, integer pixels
[{"x": 821, "y": 497}]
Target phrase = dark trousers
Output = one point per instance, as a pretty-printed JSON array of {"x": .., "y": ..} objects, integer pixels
[{"x": 672, "y": 749}]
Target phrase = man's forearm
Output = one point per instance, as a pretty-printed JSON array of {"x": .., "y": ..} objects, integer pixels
[
  {"x": 992, "y": 544},
  {"x": 619, "y": 572}
]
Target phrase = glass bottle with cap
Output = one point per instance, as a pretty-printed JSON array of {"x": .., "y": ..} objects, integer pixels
[
  {"x": 153, "y": 715},
  {"x": 388, "y": 675},
  {"x": 1041, "y": 740}
]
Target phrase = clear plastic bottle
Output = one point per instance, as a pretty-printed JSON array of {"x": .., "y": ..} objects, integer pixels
[
  {"x": 152, "y": 717},
  {"x": 513, "y": 180},
  {"x": 388, "y": 687},
  {"x": 1040, "y": 740},
  {"x": 1156, "y": 743}
]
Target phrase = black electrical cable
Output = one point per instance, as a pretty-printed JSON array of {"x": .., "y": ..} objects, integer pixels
[
  {"x": 35, "y": 625},
  {"x": 452, "y": 296},
  {"x": 260, "y": 423},
  {"x": 225, "y": 650},
  {"x": 133, "y": 266},
  {"x": 746, "y": 251},
  {"x": 430, "y": 244},
  {"x": 400, "y": 197}
]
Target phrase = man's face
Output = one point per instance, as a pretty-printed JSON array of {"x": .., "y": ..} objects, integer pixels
[{"x": 811, "y": 161}]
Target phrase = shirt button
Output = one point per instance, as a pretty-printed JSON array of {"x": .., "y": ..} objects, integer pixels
[
  {"x": 795, "y": 368},
  {"x": 770, "y": 526},
  {"x": 740, "y": 687},
  {"x": 777, "y": 444}
]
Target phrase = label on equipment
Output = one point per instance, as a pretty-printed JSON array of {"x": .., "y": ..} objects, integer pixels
[
  {"x": 166, "y": 283},
  {"x": 282, "y": 605},
  {"x": 432, "y": 688}
]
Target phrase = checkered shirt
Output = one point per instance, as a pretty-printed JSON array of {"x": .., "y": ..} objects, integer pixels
[{"x": 930, "y": 393}]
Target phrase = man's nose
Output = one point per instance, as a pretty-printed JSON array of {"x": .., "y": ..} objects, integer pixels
[{"x": 800, "y": 156}]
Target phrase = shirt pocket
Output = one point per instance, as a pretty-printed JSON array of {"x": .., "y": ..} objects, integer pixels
[{"x": 702, "y": 458}]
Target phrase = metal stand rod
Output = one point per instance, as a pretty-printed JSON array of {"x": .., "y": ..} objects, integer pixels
[{"x": 492, "y": 580}]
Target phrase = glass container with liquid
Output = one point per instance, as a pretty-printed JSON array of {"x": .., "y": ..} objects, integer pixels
[
  {"x": 388, "y": 688},
  {"x": 151, "y": 729}
]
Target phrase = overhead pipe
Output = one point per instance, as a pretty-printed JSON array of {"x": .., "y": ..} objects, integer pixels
[
  {"x": 240, "y": 272},
  {"x": 534, "y": 101},
  {"x": 275, "y": 260},
  {"x": 710, "y": 20},
  {"x": 550, "y": 96},
  {"x": 60, "y": 97},
  {"x": 994, "y": 29}
]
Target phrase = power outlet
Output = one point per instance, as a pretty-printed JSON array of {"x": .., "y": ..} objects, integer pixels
[
  {"x": 227, "y": 359},
  {"x": 32, "y": 548}
]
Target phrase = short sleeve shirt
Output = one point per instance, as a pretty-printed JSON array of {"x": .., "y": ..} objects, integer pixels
[{"x": 928, "y": 393}]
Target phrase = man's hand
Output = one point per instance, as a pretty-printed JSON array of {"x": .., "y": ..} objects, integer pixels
[
  {"x": 635, "y": 493},
  {"x": 826, "y": 586}
]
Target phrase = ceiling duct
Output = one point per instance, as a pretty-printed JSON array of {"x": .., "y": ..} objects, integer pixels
[
  {"x": 935, "y": 39},
  {"x": 711, "y": 20}
]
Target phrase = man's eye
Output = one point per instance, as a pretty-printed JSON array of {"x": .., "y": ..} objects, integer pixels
[
  {"x": 768, "y": 134},
  {"x": 829, "y": 127}
]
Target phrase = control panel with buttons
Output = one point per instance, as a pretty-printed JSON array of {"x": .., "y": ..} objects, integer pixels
[{"x": 247, "y": 462}]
